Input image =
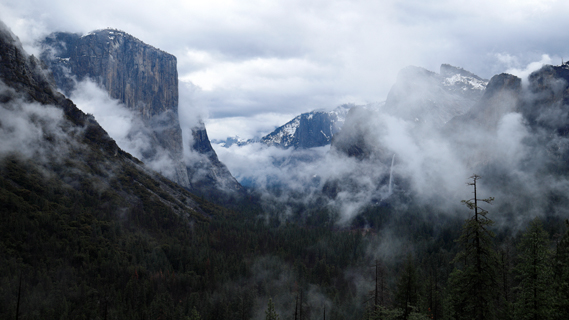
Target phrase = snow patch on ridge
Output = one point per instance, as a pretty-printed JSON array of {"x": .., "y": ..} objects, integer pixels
[{"x": 461, "y": 80}]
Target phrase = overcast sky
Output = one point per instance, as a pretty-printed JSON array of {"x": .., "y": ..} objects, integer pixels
[{"x": 250, "y": 66}]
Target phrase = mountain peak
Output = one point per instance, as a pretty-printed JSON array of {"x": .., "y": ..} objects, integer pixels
[
  {"x": 112, "y": 34},
  {"x": 448, "y": 70}
]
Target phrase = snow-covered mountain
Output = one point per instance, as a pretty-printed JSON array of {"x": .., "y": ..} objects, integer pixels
[
  {"x": 308, "y": 130},
  {"x": 236, "y": 140}
]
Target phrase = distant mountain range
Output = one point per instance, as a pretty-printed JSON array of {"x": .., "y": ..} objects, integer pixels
[
  {"x": 419, "y": 95},
  {"x": 433, "y": 130}
]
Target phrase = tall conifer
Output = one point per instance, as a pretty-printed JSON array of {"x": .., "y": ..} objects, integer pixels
[{"x": 473, "y": 281}]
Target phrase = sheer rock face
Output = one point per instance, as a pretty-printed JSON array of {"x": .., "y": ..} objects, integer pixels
[
  {"x": 142, "y": 77},
  {"x": 545, "y": 107},
  {"x": 145, "y": 80},
  {"x": 75, "y": 149},
  {"x": 473, "y": 134},
  {"x": 547, "y": 102}
]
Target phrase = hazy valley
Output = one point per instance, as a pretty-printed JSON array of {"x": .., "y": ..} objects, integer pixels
[{"x": 115, "y": 206}]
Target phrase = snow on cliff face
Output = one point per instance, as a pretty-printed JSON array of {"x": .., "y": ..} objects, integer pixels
[
  {"x": 290, "y": 128},
  {"x": 283, "y": 136},
  {"x": 465, "y": 82},
  {"x": 312, "y": 129}
]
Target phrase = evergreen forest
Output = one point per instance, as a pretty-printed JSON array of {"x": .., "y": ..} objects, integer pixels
[{"x": 66, "y": 254}]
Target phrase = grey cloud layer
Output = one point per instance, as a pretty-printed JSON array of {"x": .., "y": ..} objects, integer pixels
[{"x": 333, "y": 52}]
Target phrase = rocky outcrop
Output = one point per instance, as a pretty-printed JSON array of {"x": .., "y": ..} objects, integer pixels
[
  {"x": 145, "y": 80},
  {"x": 209, "y": 175},
  {"x": 21, "y": 72},
  {"x": 545, "y": 107},
  {"x": 546, "y": 104},
  {"x": 473, "y": 134},
  {"x": 502, "y": 96}
]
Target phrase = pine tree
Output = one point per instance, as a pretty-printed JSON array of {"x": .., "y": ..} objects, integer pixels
[
  {"x": 270, "y": 313},
  {"x": 473, "y": 282},
  {"x": 433, "y": 302},
  {"x": 380, "y": 285},
  {"x": 376, "y": 304},
  {"x": 505, "y": 267},
  {"x": 535, "y": 274}
]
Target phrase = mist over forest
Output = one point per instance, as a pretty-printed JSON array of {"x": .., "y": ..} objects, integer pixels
[{"x": 443, "y": 197}]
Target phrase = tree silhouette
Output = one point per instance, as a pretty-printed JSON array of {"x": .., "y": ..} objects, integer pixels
[
  {"x": 473, "y": 281},
  {"x": 270, "y": 313}
]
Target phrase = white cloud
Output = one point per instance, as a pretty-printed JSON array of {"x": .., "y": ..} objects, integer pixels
[
  {"x": 32, "y": 130},
  {"x": 247, "y": 128},
  {"x": 123, "y": 125},
  {"x": 523, "y": 73},
  {"x": 113, "y": 116}
]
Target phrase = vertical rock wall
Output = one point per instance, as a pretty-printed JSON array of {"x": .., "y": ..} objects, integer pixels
[{"x": 145, "y": 80}]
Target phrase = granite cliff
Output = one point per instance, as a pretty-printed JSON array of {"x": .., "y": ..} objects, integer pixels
[
  {"x": 62, "y": 159},
  {"x": 145, "y": 80},
  {"x": 502, "y": 96}
]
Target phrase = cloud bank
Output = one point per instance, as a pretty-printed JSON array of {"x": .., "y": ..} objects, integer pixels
[
  {"x": 288, "y": 57},
  {"x": 32, "y": 130},
  {"x": 402, "y": 159}
]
